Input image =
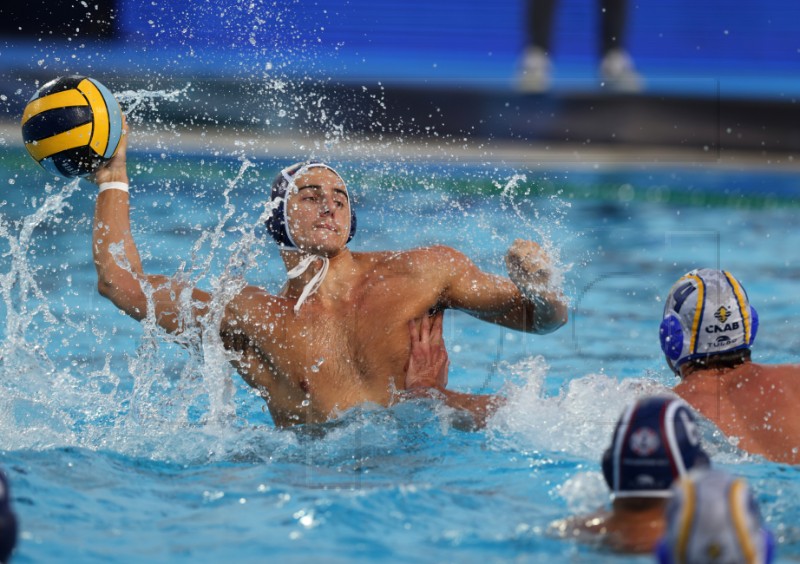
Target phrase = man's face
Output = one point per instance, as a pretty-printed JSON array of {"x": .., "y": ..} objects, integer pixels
[{"x": 319, "y": 212}]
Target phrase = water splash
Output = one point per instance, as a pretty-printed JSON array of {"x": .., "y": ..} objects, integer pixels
[
  {"x": 578, "y": 421},
  {"x": 134, "y": 101},
  {"x": 27, "y": 374}
]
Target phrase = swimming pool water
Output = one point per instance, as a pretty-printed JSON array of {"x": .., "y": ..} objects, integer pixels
[{"x": 123, "y": 446}]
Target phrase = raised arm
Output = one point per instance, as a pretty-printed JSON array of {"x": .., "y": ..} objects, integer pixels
[
  {"x": 525, "y": 301},
  {"x": 427, "y": 369},
  {"x": 120, "y": 276}
]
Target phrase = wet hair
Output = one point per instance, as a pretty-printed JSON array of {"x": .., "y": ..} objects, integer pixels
[{"x": 730, "y": 359}]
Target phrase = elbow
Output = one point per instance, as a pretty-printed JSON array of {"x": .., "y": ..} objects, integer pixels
[
  {"x": 120, "y": 298},
  {"x": 105, "y": 289},
  {"x": 542, "y": 325}
]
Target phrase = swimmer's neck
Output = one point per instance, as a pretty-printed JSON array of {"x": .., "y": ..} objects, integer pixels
[
  {"x": 639, "y": 505},
  {"x": 341, "y": 269},
  {"x": 697, "y": 372}
]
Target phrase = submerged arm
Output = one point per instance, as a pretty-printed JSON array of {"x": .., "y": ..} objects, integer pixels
[{"x": 120, "y": 276}]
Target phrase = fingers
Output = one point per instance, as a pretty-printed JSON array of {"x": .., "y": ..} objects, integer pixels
[
  {"x": 425, "y": 329},
  {"x": 437, "y": 328},
  {"x": 115, "y": 170},
  {"x": 123, "y": 141},
  {"x": 413, "y": 331}
]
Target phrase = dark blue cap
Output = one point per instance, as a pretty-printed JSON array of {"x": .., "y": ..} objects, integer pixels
[
  {"x": 276, "y": 224},
  {"x": 656, "y": 440}
]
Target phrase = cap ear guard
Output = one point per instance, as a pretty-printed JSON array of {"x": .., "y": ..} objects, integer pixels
[
  {"x": 753, "y": 324},
  {"x": 671, "y": 336},
  {"x": 276, "y": 224},
  {"x": 606, "y": 464},
  {"x": 663, "y": 553}
]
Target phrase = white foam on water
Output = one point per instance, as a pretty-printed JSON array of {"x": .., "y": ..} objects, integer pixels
[{"x": 578, "y": 421}]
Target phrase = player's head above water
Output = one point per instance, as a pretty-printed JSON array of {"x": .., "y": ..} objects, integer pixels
[
  {"x": 713, "y": 517},
  {"x": 656, "y": 441},
  {"x": 707, "y": 314},
  {"x": 303, "y": 194}
]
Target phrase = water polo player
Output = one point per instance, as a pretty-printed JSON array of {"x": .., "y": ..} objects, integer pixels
[
  {"x": 708, "y": 329},
  {"x": 336, "y": 335},
  {"x": 655, "y": 442},
  {"x": 713, "y": 517}
]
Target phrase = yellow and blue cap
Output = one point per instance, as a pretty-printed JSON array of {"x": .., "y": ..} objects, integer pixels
[
  {"x": 707, "y": 312},
  {"x": 713, "y": 517}
]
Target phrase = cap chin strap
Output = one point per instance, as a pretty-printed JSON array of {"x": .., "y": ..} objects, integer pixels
[{"x": 315, "y": 282}]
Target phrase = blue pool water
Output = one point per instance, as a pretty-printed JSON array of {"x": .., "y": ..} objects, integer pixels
[{"x": 123, "y": 446}]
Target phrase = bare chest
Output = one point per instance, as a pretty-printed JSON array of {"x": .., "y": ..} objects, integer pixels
[{"x": 334, "y": 355}]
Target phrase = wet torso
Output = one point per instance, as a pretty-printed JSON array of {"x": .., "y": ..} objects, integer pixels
[{"x": 344, "y": 347}]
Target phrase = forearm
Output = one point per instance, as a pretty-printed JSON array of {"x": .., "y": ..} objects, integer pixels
[
  {"x": 120, "y": 276},
  {"x": 531, "y": 311},
  {"x": 115, "y": 255},
  {"x": 479, "y": 407},
  {"x": 546, "y": 311}
]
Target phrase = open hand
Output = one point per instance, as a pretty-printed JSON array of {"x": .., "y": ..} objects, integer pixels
[{"x": 428, "y": 363}]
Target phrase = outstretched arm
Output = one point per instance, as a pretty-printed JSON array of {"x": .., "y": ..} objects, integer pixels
[
  {"x": 428, "y": 366},
  {"x": 120, "y": 276},
  {"x": 526, "y": 301}
]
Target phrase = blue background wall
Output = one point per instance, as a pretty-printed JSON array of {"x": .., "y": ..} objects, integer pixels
[{"x": 748, "y": 34}]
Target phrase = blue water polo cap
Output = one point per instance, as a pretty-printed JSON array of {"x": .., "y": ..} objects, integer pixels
[
  {"x": 656, "y": 440},
  {"x": 707, "y": 312},
  {"x": 277, "y": 223},
  {"x": 8, "y": 522},
  {"x": 713, "y": 517}
]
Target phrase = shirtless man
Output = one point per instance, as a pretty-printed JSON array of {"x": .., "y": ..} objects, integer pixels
[
  {"x": 336, "y": 335},
  {"x": 706, "y": 335}
]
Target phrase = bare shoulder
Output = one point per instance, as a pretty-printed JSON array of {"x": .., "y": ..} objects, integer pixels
[
  {"x": 751, "y": 383},
  {"x": 434, "y": 257},
  {"x": 254, "y": 299},
  {"x": 785, "y": 375}
]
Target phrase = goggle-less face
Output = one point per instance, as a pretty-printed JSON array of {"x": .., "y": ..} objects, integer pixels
[{"x": 283, "y": 185}]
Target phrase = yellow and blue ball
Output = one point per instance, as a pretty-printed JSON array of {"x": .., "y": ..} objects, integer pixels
[{"x": 72, "y": 125}]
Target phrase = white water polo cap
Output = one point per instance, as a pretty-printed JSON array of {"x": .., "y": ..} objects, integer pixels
[
  {"x": 707, "y": 312},
  {"x": 282, "y": 186},
  {"x": 713, "y": 517}
]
